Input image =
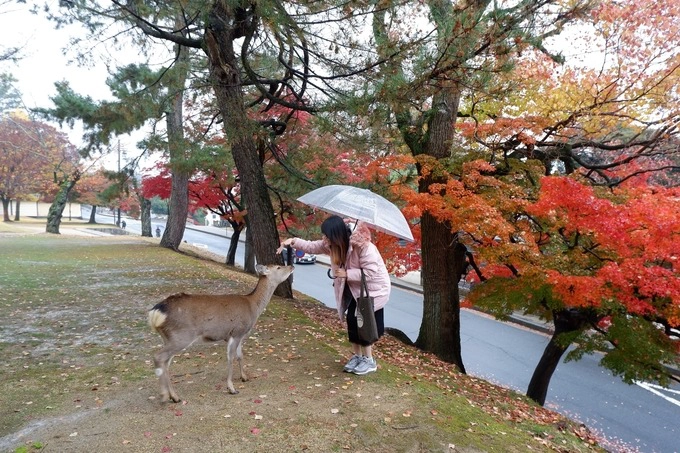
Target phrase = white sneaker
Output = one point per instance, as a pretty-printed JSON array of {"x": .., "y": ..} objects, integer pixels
[
  {"x": 352, "y": 364},
  {"x": 365, "y": 366}
]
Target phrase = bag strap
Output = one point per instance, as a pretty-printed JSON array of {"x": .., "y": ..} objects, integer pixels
[{"x": 364, "y": 287}]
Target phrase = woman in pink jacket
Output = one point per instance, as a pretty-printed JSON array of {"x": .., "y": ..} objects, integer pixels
[{"x": 350, "y": 252}]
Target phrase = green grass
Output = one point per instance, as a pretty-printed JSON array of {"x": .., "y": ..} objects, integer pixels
[{"x": 74, "y": 340}]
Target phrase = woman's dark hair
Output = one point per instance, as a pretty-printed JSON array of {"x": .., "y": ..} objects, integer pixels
[{"x": 337, "y": 232}]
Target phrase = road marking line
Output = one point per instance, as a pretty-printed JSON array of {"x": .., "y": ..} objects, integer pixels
[{"x": 655, "y": 390}]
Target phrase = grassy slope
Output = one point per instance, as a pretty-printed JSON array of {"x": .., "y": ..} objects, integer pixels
[{"x": 78, "y": 371}]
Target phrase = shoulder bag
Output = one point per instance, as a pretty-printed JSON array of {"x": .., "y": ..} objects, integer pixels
[{"x": 368, "y": 330}]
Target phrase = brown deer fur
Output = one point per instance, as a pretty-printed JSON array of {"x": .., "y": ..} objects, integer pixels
[{"x": 182, "y": 319}]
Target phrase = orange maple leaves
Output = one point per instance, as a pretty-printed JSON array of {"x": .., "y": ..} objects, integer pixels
[
  {"x": 593, "y": 247},
  {"x": 623, "y": 246}
]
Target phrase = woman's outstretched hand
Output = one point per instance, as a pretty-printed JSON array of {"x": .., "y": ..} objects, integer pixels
[{"x": 285, "y": 243}]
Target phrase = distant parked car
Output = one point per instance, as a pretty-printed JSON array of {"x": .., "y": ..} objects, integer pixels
[
  {"x": 300, "y": 257},
  {"x": 306, "y": 258}
]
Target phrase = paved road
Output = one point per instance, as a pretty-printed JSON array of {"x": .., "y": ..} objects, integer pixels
[{"x": 632, "y": 417}]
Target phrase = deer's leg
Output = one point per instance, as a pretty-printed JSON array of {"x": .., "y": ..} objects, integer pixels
[
  {"x": 239, "y": 357},
  {"x": 232, "y": 348},
  {"x": 162, "y": 361}
]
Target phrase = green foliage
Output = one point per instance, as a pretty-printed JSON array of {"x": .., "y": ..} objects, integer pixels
[
  {"x": 501, "y": 296},
  {"x": 139, "y": 93},
  {"x": 139, "y": 97},
  {"x": 69, "y": 106},
  {"x": 199, "y": 216},
  {"x": 34, "y": 446},
  {"x": 10, "y": 97},
  {"x": 633, "y": 347},
  {"x": 110, "y": 193},
  {"x": 639, "y": 346},
  {"x": 159, "y": 206}
]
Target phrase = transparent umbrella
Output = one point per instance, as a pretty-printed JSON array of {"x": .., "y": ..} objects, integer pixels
[{"x": 360, "y": 204}]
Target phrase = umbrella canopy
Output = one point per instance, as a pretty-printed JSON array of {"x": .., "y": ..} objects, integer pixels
[{"x": 360, "y": 204}]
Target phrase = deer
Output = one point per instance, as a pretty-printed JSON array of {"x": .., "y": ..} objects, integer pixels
[{"x": 181, "y": 319}]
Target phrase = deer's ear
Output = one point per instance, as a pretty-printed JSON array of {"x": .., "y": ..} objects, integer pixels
[{"x": 261, "y": 270}]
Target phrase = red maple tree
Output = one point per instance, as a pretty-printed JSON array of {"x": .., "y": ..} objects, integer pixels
[{"x": 601, "y": 264}]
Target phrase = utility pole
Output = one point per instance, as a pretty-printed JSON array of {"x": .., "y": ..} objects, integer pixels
[{"x": 118, "y": 220}]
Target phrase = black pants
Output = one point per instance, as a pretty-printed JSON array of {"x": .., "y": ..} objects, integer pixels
[{"x": 353, "y": 330}]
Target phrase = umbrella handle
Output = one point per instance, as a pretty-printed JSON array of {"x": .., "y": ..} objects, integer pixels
[{"x": 329, "y": 275}]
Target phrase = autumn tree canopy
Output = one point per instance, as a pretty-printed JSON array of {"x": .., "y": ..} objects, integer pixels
[
  {"x": 34, "y": 157},
  {"x": 257, "y": 55},
  {"x": 613, "y": 129}
]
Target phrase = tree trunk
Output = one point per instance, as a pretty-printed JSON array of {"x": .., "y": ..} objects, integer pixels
[
  {"x": 241, "y": 131},
  {"x": 57, "y": 207},
  {"x": 178, "y": 207},
  {"x": 93, "y": 214},
  {"x": 442, "y": 262},
  {"x": 5, "y": 209},
  {"x": 565, "y": 321},
  {"x": 145, "y": 209},
  {"x": 17, "y": 211},
  {"x": 440, "y": 328},
  {"x": 233, "y": 245},
  {"x": 248, "y": 253}
]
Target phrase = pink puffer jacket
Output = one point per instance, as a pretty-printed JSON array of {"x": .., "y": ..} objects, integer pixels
[{"x": 362, "y": 254}]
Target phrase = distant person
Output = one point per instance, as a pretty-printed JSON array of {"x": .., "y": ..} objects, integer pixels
[
  {"x": 158, "y": 231},
  {"x": 123, "y": 224},
  {"x": 350, "y": 252}
]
